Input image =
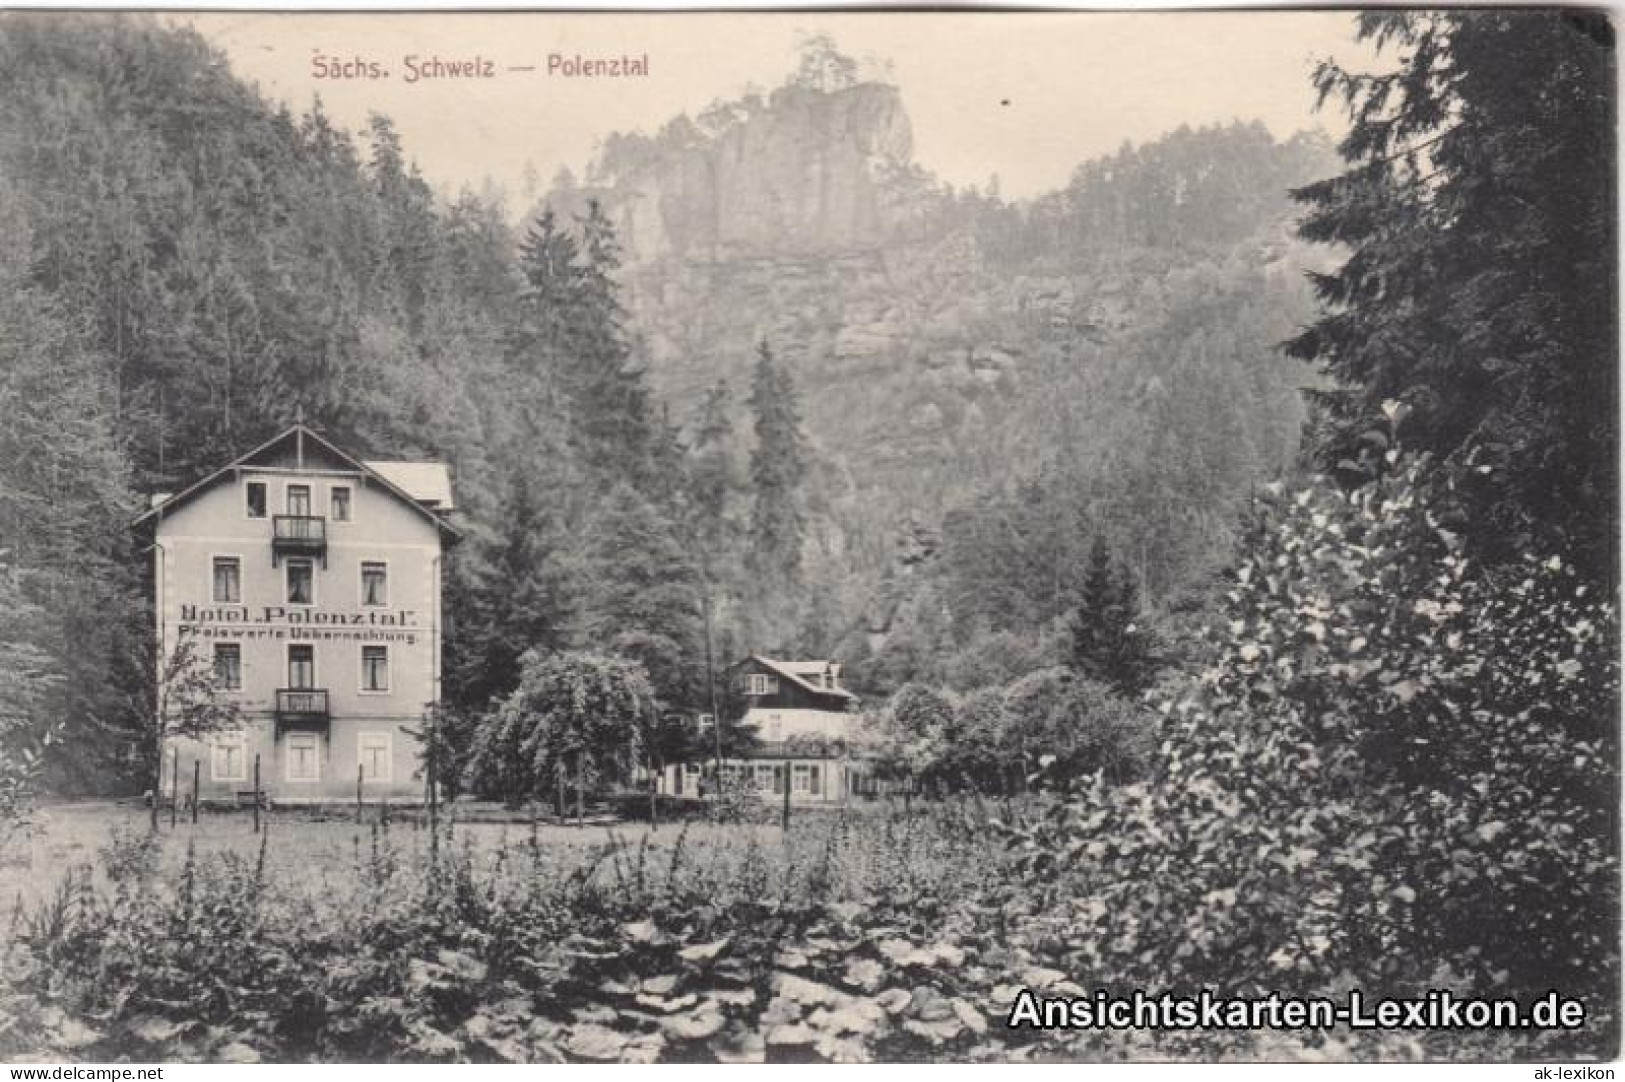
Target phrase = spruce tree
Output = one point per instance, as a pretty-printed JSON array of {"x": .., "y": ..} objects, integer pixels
[
  {"x": 517, "y": 599},
  {"x": 1477, "y": 212}
]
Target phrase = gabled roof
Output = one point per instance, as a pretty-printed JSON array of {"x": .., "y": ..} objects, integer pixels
[
  {"x": 299, "y": 433},
  {"x": 797, "y": 673}
]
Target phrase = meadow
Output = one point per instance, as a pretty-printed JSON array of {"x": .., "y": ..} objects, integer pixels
[
  {"x": 872, "y": 933},
  {"x": 314, "y": 849}
]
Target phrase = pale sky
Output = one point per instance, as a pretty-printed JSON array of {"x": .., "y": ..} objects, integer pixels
[{"x": 1076, "y": 84}]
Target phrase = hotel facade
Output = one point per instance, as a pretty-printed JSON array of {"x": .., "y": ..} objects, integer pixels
[{"x": 311, "y": 581}]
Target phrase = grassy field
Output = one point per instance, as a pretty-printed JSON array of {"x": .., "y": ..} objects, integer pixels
[{"x": 312, "y": 849}]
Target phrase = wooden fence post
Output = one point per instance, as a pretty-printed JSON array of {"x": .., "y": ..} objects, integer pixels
[
  {"x": 197, "y": 773},
  {"x": 581, "y": 791},
  {"x": 174, "y": 786},
  {"x": 784, "y": 819},
  {"x": 256, "y": 792}
]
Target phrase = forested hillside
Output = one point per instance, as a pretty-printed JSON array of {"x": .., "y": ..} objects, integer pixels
[
  {"x": 1104, "y": 355},
  {"x": 1188, "y": 681},
  {"x": 196, "y": 267}
]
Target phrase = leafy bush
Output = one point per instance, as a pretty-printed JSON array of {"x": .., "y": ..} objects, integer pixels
[
  {"x": 1396, "y": 773},
  {"x": 844, "y": 944},
  {"x": 1075, "y": 727}
]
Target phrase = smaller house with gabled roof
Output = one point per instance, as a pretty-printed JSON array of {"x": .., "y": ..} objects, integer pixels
[
  {"x": 312, "y": 581},
  {"x": 804, "y": 721}
]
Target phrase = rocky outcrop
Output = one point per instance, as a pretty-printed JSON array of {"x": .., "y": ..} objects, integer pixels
[{"x": 803, "y": 173}]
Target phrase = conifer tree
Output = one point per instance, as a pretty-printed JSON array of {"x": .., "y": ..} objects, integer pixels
[
  {"x": 712, "y": 470},
  {"x": 1110, "y": 643},
  {"x": 1478, "y": 213},
  {"x": 639, "y": 595},
  {"x": 518, "y": 599}
]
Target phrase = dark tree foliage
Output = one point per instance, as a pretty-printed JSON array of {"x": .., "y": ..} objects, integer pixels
[
  {"x": 517, "y": 601},
  {"x": 777, "y": 468},
  {"x": 713, "y": 471},
  {"x": 1111, "y": 642},
  {"x": 1478, "y": 210},
  {"x": 640, "y": 596},
  {"x": 572, "y": 337}
]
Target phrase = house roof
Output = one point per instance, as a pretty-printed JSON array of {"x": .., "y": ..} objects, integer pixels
[
  {"x": 370, "y": 471},
  {"x": 798, "y": 671},
  {"x": 429, "y": 483}
]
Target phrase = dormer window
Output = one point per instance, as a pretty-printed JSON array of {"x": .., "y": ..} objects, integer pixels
[{"x": 760, "y": 684}]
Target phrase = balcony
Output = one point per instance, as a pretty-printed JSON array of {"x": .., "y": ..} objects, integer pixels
[
  {"x": 298, "y": 535},
  {"x": 301, "y": 708}
]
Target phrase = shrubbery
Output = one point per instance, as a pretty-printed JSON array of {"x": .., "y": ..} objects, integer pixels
[
  {"x": 1397, "y": 772},
  {"x": 848, "y": 943},
  {"x": 995, "y": 740}
]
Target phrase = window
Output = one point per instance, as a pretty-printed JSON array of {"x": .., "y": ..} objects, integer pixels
[
  {"x": 303, "y": 757},
  {"x": 228, "y": 758},
  {"x": 375, "y": 668},
  {"x": 374, "y": 583},
  {"x": 373, "y": 750},
  {"x": 804, "y": 778},
  {"x": 765, "y": 776},
  {"x": 298, "y": 499},
  {"x": 760, "y": 684},
  {"x": 228, "y": 665},
  {"x": 691, "y": 769},
  {"x": 301, "y": 582},
  {"x": 301, "y": 665},
  {"x": 256, "y": 499},
  {"x": 228, "y": 580},
  {"x": 338, "y": 503}
]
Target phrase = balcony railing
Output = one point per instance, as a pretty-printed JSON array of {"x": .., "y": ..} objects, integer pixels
[
  {"x": 299, "y": 535},
  {"x": 301, "y": 708}
]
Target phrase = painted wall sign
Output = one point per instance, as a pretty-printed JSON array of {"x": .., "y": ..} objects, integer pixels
[{"x": 277, "y": 614}]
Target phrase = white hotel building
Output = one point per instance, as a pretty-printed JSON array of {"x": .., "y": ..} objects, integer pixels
[{"x": 312, "y": 581}]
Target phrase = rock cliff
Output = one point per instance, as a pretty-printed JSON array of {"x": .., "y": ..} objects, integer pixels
[
  {"x": 803, "y": 172},
  {"x": 944, "y": 341}
]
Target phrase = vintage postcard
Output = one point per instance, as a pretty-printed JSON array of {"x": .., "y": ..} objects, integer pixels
[{"x": 808, "y": 536}]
